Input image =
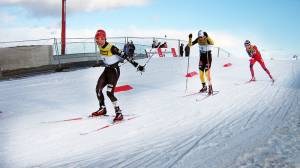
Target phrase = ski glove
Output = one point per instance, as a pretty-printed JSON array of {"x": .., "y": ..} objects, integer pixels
[
  {"x": 205, "y": 34},
  {"x": 190, "y": 35},
  {"x": 123, "y": 55},
  {"x": 141, "y": 68}
]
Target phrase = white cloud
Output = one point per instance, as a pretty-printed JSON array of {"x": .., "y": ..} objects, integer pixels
[
  {"x": 92, "y": 5},
  {"x": 53, "y": 7},
  {"x": 6, "y": 18},
  {"x": 233, "y": 44},
  {"x": 27, "y": 33}
]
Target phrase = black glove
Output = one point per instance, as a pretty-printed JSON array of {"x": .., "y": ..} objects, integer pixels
[
  {"x": 205, "y": 34},
  {"x": 190, "y": 35},
  {"x": 124, "y": 55},
  {"x": 141, "y": 68}
]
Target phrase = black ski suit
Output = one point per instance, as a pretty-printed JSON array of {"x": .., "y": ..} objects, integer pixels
[{"x": 112, "y": 56}]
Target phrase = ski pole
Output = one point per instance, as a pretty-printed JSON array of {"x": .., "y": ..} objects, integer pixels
[
  {"x": 188, "y": 66},
  {"x": 187, "y": 71},
  {"x": 149, "y": 56},
  {"x": 208, "y": 65}
]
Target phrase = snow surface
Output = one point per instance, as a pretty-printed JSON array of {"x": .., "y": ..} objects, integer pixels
[{"x": 245, "y": 125}]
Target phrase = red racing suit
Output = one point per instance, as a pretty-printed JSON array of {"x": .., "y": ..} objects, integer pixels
[{"x": 256, "y": 56}]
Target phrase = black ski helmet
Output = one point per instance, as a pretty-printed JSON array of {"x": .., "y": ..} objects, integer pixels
[{"x": 247, "y": 42}]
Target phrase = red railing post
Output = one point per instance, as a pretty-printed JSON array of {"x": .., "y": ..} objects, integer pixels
[{"x": 63, "y": 28}]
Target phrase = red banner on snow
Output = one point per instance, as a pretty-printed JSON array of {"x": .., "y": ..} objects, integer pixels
[
  {"x": 159, "y": 52},
  {"x": 173, "y": 52},
  {"x": 227, "y": 65},
  {"x": 162, "y": 52},
  {"x": 123, "y": 88},
  {"x": 191, "y": 74}
]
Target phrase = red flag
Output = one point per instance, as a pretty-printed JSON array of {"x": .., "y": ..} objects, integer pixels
[
  {"x": 191, "y": 74},
  {"x": 227, "y": 65},
  {"x": 123, "y": 88}
]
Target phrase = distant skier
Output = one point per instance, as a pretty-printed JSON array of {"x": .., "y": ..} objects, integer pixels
[
  {"x": 111, "y": 56},
  {"x": 255, "y": 56},
  {"x": 205, "y": 43}
]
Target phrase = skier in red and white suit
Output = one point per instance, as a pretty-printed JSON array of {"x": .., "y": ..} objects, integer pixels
[{"x": 255, "y": 56}]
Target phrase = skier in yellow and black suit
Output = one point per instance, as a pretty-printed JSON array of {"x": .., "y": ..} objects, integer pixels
[
  {"x": 205, "y": 43},
  {"x": 111, "y": 56}
]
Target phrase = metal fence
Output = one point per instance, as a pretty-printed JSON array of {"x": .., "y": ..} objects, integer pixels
[{"x": 82, "y": 49}]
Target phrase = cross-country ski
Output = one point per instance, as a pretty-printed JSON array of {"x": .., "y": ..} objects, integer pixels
[{"x": 108, "y": 125}]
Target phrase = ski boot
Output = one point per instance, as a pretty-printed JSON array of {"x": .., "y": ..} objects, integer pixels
[
  {"x": 119, "y": 115},
  {"x": 204, "y": 88},
  {"x": 210, "y": 90},
  {"x": 100, "y": 112}
]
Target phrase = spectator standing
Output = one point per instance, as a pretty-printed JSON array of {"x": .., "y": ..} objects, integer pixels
[
  {"x": 131, "y": 49},
  {"x": 181, "y": 50}
]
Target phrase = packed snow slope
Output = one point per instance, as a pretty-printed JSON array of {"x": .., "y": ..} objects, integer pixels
[{"x": 245, "y": 125}]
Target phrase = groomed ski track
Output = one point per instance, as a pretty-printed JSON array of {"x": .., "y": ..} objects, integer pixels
[{"x": 245, "y": 125}]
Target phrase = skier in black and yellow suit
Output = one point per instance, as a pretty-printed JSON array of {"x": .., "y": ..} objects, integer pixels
[
  {"x": 205, "y": 43},
  {"x": 111, "y": 57}
]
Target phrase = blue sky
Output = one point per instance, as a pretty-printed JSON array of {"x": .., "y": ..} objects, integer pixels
[{"x": 272, "y": 25}]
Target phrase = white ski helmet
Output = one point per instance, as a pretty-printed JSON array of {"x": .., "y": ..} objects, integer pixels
[{"x": 200, "y": 33}]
